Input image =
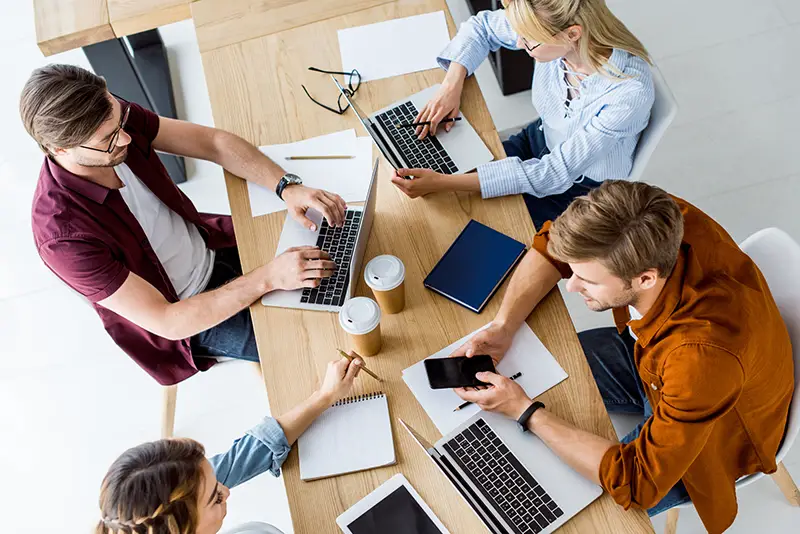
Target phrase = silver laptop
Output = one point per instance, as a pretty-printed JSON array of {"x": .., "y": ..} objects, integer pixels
[
  {"x": 512, "y": 481},
  {"x": 346, "y": 247},
  {"x": 458, "y": 151}
]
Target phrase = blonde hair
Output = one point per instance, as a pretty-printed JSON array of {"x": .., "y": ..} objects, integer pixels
[
  {"x": 543, "y": 20},
  {"x": 153, "y": 489},
  {"x": 630, "y": 227}
]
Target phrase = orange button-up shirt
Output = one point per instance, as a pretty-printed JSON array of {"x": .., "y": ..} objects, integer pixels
[{"x": 715, "y": 360}]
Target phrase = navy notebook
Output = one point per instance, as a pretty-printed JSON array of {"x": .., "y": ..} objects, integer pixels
[{"x": 474, "y": 266}]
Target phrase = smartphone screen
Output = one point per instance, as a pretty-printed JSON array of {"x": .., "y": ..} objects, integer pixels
[{"x": 457, "y": 372}]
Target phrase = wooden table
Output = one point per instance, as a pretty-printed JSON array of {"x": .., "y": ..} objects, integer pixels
[
  {"x": 63, "y": 25},
  {"x": 255, "y": 92}
]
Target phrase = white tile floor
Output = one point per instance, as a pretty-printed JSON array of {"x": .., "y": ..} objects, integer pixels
[{"x": 71, "y": 401}]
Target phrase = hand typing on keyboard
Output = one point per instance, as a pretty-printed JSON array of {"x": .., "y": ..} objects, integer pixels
[
  {"x": 296, "y": 268},
  {"x": 300, "y": 198}
]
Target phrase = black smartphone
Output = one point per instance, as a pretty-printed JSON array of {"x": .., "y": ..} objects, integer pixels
[{"x": 457, "y": 372}]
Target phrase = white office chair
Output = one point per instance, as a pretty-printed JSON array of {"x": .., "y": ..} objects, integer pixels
[
  {"x": 665, "y": 108},
  {"x": 778, "y": 258}
]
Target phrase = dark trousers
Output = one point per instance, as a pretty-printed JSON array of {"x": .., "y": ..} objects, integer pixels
[
  {"x": 530, "y": 143},
  {"x": 610, "y": 357},
  {"x": 233, "y": 337}
]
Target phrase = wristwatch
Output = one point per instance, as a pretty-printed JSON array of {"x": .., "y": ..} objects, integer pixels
[
  {"x": 527, "y": 414},
  {"x": 286, "y": 180}
]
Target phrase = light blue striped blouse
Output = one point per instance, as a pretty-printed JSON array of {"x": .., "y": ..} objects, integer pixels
[{"x": 603, "y": 124}]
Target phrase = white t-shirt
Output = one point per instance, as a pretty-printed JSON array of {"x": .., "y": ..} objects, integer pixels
[
  {"x": 635, "y": 316},
  {"x": 177, "y": 243}
]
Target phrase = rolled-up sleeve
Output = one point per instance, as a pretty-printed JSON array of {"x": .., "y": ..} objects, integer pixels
[
  {"x": 701, "y": 384},
  {"x": 626, "y": 114},
  {"x": 263, "y": 448},
  {"x": 540, "y": 242},
  {"x": 486, "y": 32}
]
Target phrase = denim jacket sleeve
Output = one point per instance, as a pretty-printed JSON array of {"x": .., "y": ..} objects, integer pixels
[
  {"x": 262, "y": 448},
  {"x": 486, "y": 32}
]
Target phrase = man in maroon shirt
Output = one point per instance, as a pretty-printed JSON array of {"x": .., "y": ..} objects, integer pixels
[{"x": 107, "y": 219}]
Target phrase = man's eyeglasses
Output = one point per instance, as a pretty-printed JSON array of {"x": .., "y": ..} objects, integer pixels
[
  {"x": 354, "y": 82},
  {"x": 113, "y": 143}
]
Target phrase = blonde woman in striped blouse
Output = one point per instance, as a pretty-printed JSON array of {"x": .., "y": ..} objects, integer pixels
[{"x": 592, "y": 87}]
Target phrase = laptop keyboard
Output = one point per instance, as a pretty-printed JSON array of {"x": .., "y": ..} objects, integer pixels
[
  {"x": 425, "y": 154},
  {"x": 340, "y": 244},
  {"x": 502, "y": 479}
]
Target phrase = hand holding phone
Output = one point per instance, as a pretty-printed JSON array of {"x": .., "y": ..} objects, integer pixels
[{"x": 457, "y": 372}]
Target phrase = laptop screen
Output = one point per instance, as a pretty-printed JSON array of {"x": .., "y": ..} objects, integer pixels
[{"x": 374, "y": 133}]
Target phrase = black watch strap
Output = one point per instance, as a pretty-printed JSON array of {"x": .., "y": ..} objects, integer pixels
[
  {"x": 281, "y": 186},
  {"x": 285, "y": 181},
  {"x": 523, "y": 419}
]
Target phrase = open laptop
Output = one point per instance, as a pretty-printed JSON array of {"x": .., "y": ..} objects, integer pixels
[
  {"x": 458, "y": 151},
  {"x": 346, "y": 247},
  {"x": 512, "y": 481}
]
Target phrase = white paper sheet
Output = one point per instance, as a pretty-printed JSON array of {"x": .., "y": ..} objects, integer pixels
[
  {"x": 540, "y": 371},
  {"x": 394, "y": 47},
  {"x": 349, "y": 178}
]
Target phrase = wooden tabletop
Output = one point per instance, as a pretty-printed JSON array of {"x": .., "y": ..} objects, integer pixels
[
  {"x": 255, "y": 92},
  {"x": 66, "y": 24}
]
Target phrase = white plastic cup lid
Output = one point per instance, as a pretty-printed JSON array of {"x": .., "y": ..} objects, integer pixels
[
  {"x": 384, "y": 273},
  {"x": 360, "y": 315}
]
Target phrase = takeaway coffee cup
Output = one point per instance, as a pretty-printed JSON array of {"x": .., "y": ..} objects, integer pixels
[
  {"x": 361, "y": 318},
  {"x": 385, "y": 275}
]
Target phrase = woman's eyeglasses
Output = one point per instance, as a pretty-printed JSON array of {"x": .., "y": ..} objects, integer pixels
[
  {"x": 113, "y": 143},
  {"x": 528, "y": 47},
  {"x": 354, "y": 82}
]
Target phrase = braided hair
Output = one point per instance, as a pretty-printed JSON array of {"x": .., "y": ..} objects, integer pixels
[{"x": 153, "y": 489}]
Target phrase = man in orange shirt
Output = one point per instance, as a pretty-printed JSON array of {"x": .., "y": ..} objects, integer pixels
[{"x": 707, "y": 359}]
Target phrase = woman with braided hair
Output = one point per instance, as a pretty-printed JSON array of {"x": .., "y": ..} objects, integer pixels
[{"x": 169, "y": 487}]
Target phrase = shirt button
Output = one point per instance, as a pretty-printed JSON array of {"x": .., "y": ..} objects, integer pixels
[{"x": 655, "y": 387}]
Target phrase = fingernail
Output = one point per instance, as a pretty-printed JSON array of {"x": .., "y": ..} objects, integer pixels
[{"x": 313, "y": 227}]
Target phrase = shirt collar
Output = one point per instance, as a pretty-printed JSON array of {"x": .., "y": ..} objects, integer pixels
[
  {"x": 75, "y": 183},
  {"x": 617, "y": 59},
  {"x": 648, "y": 326}
]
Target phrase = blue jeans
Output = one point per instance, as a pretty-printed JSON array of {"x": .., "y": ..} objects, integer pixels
[
  {"x": 233, "y": 337},
  {"x": 530, "y": 143},
  {"x": 610, "y": 357}
]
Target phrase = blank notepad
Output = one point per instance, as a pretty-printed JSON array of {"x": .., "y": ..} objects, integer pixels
[{"x": 352, "y": 435}]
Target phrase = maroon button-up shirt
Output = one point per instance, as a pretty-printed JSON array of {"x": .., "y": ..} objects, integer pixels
[{"x": 88, "y": 237}]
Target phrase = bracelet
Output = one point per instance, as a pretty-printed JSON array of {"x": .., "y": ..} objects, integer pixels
[{"x": 527, "y": 414}]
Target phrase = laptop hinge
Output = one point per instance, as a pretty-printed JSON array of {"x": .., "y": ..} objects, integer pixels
[
  {"x": 388, "y": 148},
  {"x": 463, "y": 488}
]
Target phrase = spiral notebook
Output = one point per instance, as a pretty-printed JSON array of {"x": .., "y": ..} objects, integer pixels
[{"x": 352, "y": 435}]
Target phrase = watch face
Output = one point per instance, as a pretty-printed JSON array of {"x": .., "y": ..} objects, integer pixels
[{"x": 292, "y": 178}]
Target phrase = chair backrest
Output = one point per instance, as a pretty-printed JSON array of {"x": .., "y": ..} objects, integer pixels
[
  {"x": 665, "y": 108},
  {"x": 778, "y": 257}
]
